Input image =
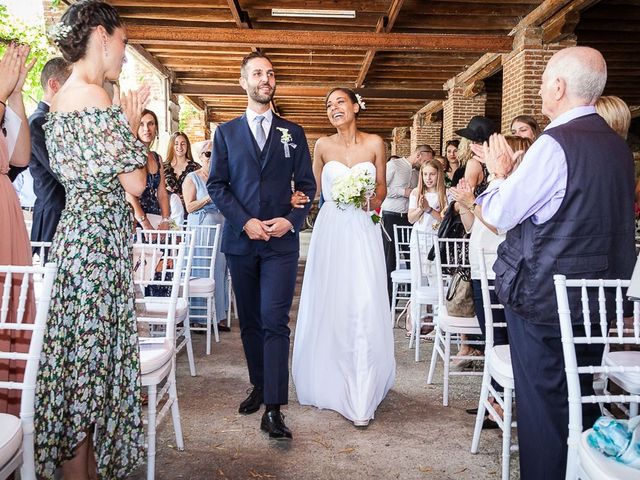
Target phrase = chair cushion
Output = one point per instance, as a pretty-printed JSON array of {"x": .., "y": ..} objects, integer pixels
[
  {"x": 10, "y": 437},
  {"x": 201, "y": 285},
  {"x": 447, "y": 321},
  {"x": 182, "y": 308},
  {"x": 629, "y": 381},
  {"x": 401, "y": 275},
  {"x": 427, "y": 295},
  {"x": 599, "y": 467},
  {"x": 499, "y": 359},
  {"x": 154, "y": 353}
]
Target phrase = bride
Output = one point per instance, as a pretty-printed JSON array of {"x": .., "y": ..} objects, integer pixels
[{"x": 343, "y": 347}]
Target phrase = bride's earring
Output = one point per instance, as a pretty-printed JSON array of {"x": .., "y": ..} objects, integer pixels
[{"x": 104, "y": 47}]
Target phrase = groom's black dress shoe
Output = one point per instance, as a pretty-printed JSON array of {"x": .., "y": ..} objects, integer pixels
[
  {"x": 252, "y": 403},
  {"x": 273, "y": 424}
]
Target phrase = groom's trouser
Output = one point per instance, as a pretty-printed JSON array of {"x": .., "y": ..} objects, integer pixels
[{"x": 264, "y": 281}]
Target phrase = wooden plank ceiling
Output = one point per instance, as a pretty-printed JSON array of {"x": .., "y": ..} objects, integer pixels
[{"x": 397, "y": 53}]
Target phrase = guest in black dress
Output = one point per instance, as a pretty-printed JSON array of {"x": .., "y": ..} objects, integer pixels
[{"x": 179, "y": 163}]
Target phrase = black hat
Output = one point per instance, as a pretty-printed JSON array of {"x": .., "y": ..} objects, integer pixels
[{"x": 479, "y": 129}]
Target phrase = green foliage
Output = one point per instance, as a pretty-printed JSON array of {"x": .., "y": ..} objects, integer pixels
[
  {"x": 12, "y": 28},
  {"x": 187, "y": 113}
]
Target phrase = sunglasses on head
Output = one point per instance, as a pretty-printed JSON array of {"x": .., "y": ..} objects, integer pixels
[{"x": 206, "y": 154}]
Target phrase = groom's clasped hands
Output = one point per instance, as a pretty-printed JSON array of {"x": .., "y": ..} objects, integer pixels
[{"x": 265, "y": 229}]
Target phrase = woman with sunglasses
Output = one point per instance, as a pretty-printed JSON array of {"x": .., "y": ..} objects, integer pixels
[
  {"x": 155, "y": 198},
  {"x": 202, "y": 211}
]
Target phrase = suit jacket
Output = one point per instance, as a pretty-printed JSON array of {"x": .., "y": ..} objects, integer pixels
[
  {"x": 50, "y": 194},
  {"x": 245, "y": 183}
]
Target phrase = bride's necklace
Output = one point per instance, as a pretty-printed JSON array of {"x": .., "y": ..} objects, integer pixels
[{"x": 347, "y": 149}]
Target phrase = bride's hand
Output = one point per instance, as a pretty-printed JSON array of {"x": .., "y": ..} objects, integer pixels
[{"x": 299, "y": 199}]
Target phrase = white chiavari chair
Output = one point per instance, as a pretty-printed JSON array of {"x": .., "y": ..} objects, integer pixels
[
  {"x": 157, "y": 317},
  {"x": 497, "y": 367},
  {"x": 401, "y": 276},
  {"x": 202, "y": 284},
  {"x": 160, "y": 238},
  {"x": 16, "y": 434},
  {"x": 583, "y": 461},
  {"x": 448, "y": 327}
]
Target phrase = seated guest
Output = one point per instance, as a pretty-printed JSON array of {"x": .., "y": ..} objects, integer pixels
[
  {"x": 525, "y": 126},
  {"x": 50, "y": 194},
  {"x": 202, "y": 211},
  {"x": 179, "y": 163},
  {"x": 155, "y": 198}
]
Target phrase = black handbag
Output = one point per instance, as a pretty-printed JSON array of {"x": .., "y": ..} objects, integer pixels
[{"x": 451, "y": 226}]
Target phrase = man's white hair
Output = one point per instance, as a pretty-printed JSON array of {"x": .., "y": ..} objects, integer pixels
[{"x": 583, "y": 69}]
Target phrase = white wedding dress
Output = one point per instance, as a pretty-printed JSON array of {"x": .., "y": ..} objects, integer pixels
[{"x": 343, "y": 356}]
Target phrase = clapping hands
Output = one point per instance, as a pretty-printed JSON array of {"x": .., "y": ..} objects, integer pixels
[
  {"x": 463, "y": 193},
  {"x": 132, "y": 104},
  {"x": 497, "y": 155},
  {"x": 13, "y": 70}
]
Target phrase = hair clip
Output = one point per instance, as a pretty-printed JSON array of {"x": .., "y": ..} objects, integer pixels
[
  {"x": 60, "y": 31},
  {"x": 361, "y": 102}
]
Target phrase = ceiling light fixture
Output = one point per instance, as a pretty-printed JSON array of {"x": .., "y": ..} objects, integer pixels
[{"x": 311, "y": 13}]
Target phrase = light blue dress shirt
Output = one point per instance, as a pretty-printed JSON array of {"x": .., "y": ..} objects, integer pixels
[{"x": 537, "y": 187}]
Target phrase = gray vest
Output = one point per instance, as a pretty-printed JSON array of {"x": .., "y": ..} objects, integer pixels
[{"x": 592, "y": 235}]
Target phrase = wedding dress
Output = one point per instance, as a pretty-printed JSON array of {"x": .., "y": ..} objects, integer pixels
[{"x": 343, "y": 356}]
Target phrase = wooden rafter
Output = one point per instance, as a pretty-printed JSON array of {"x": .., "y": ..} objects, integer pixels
[
  {"x": 313, "y": 39},
  {"x": 239, "y": 16},
  {"x": 384, "y": 25}
]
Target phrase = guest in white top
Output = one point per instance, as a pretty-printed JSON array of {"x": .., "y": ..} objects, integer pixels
[
  {"x": 402, "y": 178},
  {"x": 426, "y": 204}
]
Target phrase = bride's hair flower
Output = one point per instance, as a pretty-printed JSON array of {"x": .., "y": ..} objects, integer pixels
[
  {"x": 59, "y": 32},
  {"x": 361, "y": 102}
]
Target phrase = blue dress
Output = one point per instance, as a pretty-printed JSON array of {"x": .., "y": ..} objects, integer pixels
[{"x": 208, "y": 215}]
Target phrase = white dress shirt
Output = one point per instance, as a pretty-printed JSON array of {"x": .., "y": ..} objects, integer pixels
[
  {"x": 266, "y": 123},
  {"x": 400, "y": 176}
]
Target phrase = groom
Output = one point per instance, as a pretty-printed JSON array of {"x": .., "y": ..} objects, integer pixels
[{"x": 255, "y": 158}]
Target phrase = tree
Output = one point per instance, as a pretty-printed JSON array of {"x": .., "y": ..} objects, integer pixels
[{"x": 14, "y": 29}]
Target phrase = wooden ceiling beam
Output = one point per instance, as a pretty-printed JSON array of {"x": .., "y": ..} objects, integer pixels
[
  {"x": 313, "y": 39},
  {"x": 304, "y": 91},
  {"x": 140, "y": 50},
  {"x": 239, "y": 16},
  {"x": 384, "y": 25},
  {"x": 548, "y": 9}
]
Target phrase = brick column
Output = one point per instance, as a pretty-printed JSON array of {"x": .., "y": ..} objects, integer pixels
[
  {"x": 458, "y": 110},
  {"x": 522, "y": 71},
  {"x": 426, "y": 129},
  {"x": 401, "y": 142}
]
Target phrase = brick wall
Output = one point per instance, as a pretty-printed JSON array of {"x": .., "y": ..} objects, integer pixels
[
  {"x": 423, "y": 131},
  {"x": 401, "y": 141},
  {"x": 458, "y": 110},
  {"x": 522, "y": 72}
]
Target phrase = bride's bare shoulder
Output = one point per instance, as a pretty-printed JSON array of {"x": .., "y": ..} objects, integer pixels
[{"x": 372, "y": 139}]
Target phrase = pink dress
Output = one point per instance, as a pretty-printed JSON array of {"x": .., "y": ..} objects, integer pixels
[{"x": 15, "y": 249}]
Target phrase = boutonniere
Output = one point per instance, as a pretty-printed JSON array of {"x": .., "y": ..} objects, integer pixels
[{"x": 285, "y": 138}]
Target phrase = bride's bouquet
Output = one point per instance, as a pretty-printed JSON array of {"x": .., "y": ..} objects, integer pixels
[{"x": 356, "y": 189}]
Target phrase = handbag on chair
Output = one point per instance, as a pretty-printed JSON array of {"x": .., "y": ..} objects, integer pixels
[{"x": 459, "y": 298}]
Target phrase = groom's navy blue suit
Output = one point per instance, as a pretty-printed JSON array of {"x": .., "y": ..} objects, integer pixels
[{"x": 246, "y": 183}]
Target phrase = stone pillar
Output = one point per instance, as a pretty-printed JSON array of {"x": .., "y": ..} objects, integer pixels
[
  {"x": 457, "y": 111},
  {"x": 427, "y": 129},
  {"x": 522, "y": 71},
  {"x": 401, "y": 141}
]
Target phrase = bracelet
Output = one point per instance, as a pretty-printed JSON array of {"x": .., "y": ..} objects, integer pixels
[
  {"x": 141, "y": 219},
  {"x": 165, "y": 220}
]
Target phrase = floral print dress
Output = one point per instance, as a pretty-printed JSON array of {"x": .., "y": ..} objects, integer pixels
[{"x": 89, "y": 369}]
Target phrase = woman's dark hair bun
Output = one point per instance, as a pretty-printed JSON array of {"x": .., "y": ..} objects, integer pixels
[{"x": 82, "y": 18}]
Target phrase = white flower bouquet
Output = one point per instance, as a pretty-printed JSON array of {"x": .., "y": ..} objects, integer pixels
[{"x": 355, "y": 188}]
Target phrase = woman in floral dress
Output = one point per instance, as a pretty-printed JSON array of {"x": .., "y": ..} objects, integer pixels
[{"x": 89, "y": 379}]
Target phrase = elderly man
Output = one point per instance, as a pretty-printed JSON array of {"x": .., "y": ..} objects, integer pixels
[
  {"x": 402, "y": 177},
  {"x": 568, "y": 210}
]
